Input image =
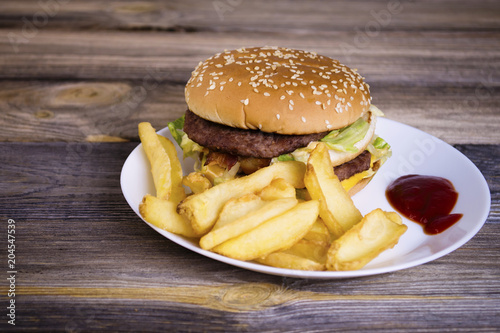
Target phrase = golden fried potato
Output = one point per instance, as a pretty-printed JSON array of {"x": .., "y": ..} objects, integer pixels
[
  {"x": 310, "y": 250},
  {"x": 177, "y": 193},
  {"x": 238, "y": 207},
  {"x": 319, "y": 233},
  {"x": 202, "y": 209},
  {"x": 303, "y": 255},
  {"x": 290, "y": 261},
  {"x": 278, "y": 189},
  {"x": 277, "y": 234},
  {"x": 162, "y": 214},
  {"x": 246, "y": 223},
  {"x": 165, "y": 165},
  {"x": 337, "y": 209},
  {"x": 158, "y": 159},
  {"x": 377, "y": 232},
  {"x": 197, "y": 182}
]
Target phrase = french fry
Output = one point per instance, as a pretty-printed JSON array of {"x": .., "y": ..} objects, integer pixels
[
  {"x": 377, "y": 232},
  {"x": 278, "y": 233},
  {"x": 291, "y": 261},
  {"x": 177, "y": 193},
  {"x": 202, "y": 209},
  {"x": 246, "y": 223},
  {"x": 165, "y": 165},
  {"x": 162, "y": 214},
  {"x": 278, "y": 189},
  {"x": 303, "y": 255},
  {"x": 319, "y": 233},
  {"x": 337, "y": 209},
  {"x": 237, "y": 208},
  {"x": 197, "y": 182},
  {"x": 310, "y": 250},
  {"x": 158, "y": 159}
]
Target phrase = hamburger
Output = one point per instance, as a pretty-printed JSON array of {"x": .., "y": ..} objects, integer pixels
[{"x": 250, "y": 107}]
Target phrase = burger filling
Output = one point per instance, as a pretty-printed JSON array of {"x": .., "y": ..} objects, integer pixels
[{"x": 225, "y": 152}]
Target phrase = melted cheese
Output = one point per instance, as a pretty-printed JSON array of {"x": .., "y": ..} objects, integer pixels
[{"x": 350, "y": 182}]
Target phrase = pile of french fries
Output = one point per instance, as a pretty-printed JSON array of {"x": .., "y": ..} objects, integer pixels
[{"x": 288, "y": 215}]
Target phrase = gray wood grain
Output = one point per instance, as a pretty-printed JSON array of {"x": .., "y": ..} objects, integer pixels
[
  {"x": 85, "y": 260},
  {"x": 89, "y": 111}
]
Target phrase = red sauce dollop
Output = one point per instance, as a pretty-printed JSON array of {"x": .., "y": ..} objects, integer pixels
[{"x": 427, "y": 200}]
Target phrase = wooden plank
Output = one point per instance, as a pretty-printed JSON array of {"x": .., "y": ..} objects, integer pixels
[
  {"x": 88, "y": 111},
  {"x": 87, "y": 262},
  {"x": 297, "y": 316},
  {"x": 406, "y": 57},
  {"x": 260, "y": 16}
]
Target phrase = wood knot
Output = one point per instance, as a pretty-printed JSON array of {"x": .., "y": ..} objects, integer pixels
[
  {"x": 89, "y": 94},
  {"x": 44, "y": 114},
  {"x": 247, "y": 296}
]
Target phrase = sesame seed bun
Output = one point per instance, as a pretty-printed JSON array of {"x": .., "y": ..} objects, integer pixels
[{"x": 277, "y": 90}]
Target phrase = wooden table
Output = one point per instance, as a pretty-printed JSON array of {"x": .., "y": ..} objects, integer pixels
[{"x": 76, "y": 77}]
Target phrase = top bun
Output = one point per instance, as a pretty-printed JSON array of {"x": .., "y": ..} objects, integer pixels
[{"x": 277, "y": 90}]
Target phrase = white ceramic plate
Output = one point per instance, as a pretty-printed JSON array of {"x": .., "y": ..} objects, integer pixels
[{"x": 414, "y": 152}]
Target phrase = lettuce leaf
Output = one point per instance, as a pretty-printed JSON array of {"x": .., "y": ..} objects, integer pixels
[
  {"x": 344, "y": 139},
  {"x": 188, "y": 146}
]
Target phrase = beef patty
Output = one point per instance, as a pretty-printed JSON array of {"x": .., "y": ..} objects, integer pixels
[
  {"x": 257, "y": 144},
  {"x": 241, "y": 142},
  {"x": 359, "y": 164}
]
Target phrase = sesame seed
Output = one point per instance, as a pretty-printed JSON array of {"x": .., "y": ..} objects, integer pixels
[
  {"x": 303, "y": 119},
  {"x": 291, "y": 102},
  {"x": 221, "y": 88},
  {"x": 278, "y": 116},
  {"x": 267, "y": 94},
  {"x": 318, "y": 103},
  {"x": 282, "y": 97},
  {"x": 244, "y": 101},
  {"x": 302, "y": 95},
  {"x": 290, "y": 106}
]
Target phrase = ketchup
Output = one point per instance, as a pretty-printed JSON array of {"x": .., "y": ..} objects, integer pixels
[{"x": 427, "y": 200}]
